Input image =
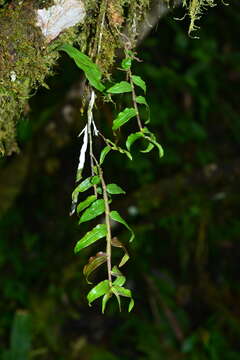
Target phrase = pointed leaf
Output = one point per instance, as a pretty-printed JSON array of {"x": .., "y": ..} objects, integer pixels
[
  {"x": 90, "y": 237},
  {"x": 122, "y": 291},
  {"x": 91, "y": 70},
  {"x": 131, "y": 305},
  {"x": 104, "y": 153},
  {"x": 139, "y": 82},
  {"x": 99, "y": 290},
  {"x": 148, "y": 149},
  {"x": 117, "y": 217},
  {"x": 84, "y": 204},
  {"x": 105, "y": 300},
  {"x": 83, "y": 186},
  {"x": 118, "y": 298},
  {"x": 141, "y": 100},
  {"x": 160, "y": 149},
  {"x": 119, "y": 88},
  {"x": 125, "y": 258},
  {"x": 93, "y": 263},
  {"x": 120, "y": 279},
  {"x": 123, "y": 117},
  {"x": 95, "y": 209},
  {"x": 115, "y": 189},
  {"x": 115, "y": 242},
  {"x": 132, "y": 138}
]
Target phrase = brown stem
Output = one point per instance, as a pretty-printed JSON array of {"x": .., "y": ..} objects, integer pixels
[
  {"x": 89, "y": 124},
  {"x": 134, "y": 100},
  {"x": 107, "y": 220}
]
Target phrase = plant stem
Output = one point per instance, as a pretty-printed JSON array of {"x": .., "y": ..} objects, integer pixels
[
  {"x": 107, "y": 220},
  {"x": 89, "y": 125},
  {"x": 134, "y": 100}
]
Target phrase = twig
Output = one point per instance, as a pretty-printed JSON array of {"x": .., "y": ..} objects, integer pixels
[
  {"x": 134, "y": 100},
  {"x": 107, "y": 221}
]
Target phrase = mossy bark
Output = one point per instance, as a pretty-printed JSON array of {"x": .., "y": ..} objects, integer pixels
[{"x": 26, "y": 59}]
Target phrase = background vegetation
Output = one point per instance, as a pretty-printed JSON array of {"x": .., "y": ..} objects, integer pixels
[{"x": 184, "y": 210}]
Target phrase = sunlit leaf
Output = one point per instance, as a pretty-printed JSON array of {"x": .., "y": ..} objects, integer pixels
[
  {"x": 95, "y": 209},
  {"x": 84, "y": 204},
  {"x": 91, "y": 70},
  {"x": 93, "y": 263},
  {"x": 90, "y": 237},
  {"x": 117, "y": 217},
  {"x": 139, "y": 82},
  {"x": 119, "y": 88},
  {"x": 104, "y": 153},
  {"x": 99, "y": 290},
  {"x": 115, "y": 242},
  {"x": 123, "y": 117},
  {"x": 115, "y": 189},
  {"x": 132, "y": 138}
]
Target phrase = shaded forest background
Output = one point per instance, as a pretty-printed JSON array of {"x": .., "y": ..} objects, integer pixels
[{"x": 184, "y": 267}]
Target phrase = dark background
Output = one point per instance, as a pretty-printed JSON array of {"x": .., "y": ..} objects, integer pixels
[{"x": 184, "y": 209}]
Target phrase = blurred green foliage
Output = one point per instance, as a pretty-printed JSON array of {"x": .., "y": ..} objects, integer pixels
[{"x": 184, "y": 210}]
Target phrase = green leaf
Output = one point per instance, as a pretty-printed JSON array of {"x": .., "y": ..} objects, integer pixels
[
  {"x": 160, "y": 149},
  {"x": 126, "y": 63},
  {"x": 115, "y": 242},
  {"x": 115, "y": 189},
  {"x": 120, "y": 279},
  {"x": 124, "y": 292},
  {"x": 83, "y": 186},
  {"x": 148, "y": 149},
  {"x": 90, "y": 237},
  {"x": 93, "y": 263},
  {"x": 95, "y": 209},
  {"x": 118, "y": 297},
  {"x": 119, "y": 88},
  {"x": 104, "y": 153},
  {"x": 131, "y": 305},
  {"x": 105, "y": 300},
  {"x": 91, "y": 70},
  {"x": 95, "y": 180},
  {"x": 139, "y": 82},
  {"x": 123, "y": 117},
  {"x": 142, "y": 100},
  {"x": 99, "y": 290},
  {"x": 84, "y": 204},
  {"x": 132, "y": 138},
  {"x": 117, "y": 217}
]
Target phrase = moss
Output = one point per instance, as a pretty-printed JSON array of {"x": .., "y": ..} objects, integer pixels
[
  {"x": 26, "y": 61},
  {"x": 107, "y": 20}
]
